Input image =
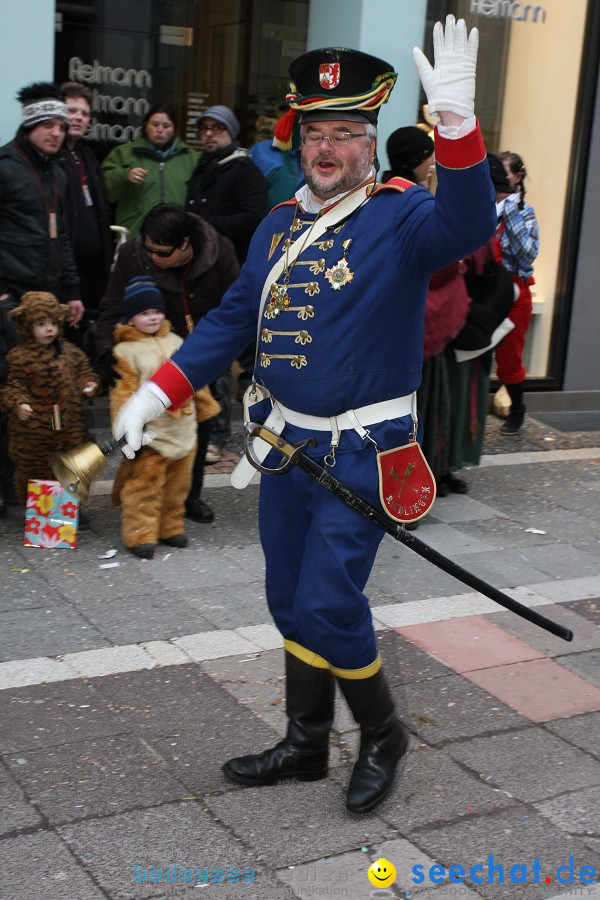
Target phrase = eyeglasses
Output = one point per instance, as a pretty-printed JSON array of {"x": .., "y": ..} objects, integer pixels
[
  {"x": 335, "y": 139},
  {"x": 162, "y": 254},
  {"x": 216, "y": 127}
]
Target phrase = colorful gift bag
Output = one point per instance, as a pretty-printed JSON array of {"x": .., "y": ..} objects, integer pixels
[{"x": 51, "y": 516}]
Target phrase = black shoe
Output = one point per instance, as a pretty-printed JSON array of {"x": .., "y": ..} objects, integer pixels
[
  {"x": 304, "y": 752},
  {"x": 441, "y": 488},
  {"x": 383, "y": 741},
  {"x": 84, "y": 522},
  {"x": 199, "y": 511},
  {"x": 143, "y": 551},
  {"x": 455, "y": 485},
  {"x": 176, "y": 540},
  {"x": 514, "y": 423}
]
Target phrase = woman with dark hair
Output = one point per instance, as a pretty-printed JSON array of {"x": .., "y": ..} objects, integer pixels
[{"x": 152, "y": 169}]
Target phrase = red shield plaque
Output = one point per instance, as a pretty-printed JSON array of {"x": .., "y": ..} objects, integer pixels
[
  {"x": 406, "y": 483},
  {"x": 329, "y": 75}
]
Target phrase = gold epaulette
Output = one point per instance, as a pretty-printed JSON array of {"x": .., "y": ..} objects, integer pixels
[
  {"x": 289, "y": 202},
  {"x": 396, "y": 183}
]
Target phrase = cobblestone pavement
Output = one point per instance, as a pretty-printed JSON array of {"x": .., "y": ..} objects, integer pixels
[{"x": 123, "y": 689}]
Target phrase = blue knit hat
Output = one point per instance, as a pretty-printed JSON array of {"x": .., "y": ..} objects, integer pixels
[
  {"x": 140, "y": 294},
  {"x": 223, "y": 115}
]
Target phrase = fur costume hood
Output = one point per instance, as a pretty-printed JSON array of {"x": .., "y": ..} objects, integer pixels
[{"x": 36, "y": 305}]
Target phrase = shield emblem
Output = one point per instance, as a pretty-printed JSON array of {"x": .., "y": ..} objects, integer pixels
[
  {"x": 406, "y": 483},
  {"x": 329, "y": 75}
]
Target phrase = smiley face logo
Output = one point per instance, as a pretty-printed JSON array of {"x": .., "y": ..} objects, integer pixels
[{"x": 382, "y": 873}]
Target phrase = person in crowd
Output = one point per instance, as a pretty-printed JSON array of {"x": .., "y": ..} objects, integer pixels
[
  {"x": 282, "y": 169},
  {"x": 230, "y": 193},
  {"x": 339, "y": 363},
  {"x": 154, "y": 168},
  {"x": 48, "y": 380},
  {"x": 87, "y": 210},
  {"x": 35, "y": 246},
  {"x": 411, "y": 153},
  {"x": 192, "y": 265},
  {"x": 153, "y": 487},
  {"x": 517, "y": 246}
]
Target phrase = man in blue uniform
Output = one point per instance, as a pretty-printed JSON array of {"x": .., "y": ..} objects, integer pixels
[{"x": 336, "y": 279}]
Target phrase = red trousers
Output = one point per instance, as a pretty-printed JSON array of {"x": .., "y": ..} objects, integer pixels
[{"x": 509, "y": 352}]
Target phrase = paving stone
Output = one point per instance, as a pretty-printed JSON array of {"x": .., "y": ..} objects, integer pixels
[
  {"x": 214, "y": 643},
  {"x": 115, "y": 847},
  {"x": 567, "y": 589},
  {"x": 582, "y": 731},
  {"x": 513, "y": 837},
  {"x": 589, "y": 608},
  {"x": 109, "y": 660},
  {"x": 586, "y": 634},
  {"x": 577, "y": 813},
  {"x": 586, "y": 665},
  {"x": 404, "y": 662},
  {"x": 16, "y": 811},
  {"x": 469, "y": 643},
  {"x": 233, "y": 606},
  {"x": 561, "y": 561},
  {"x": 540, "y": 689},
  {"x": 508, "y": 761},
  {"x": 267, "y": 637},
  {"x": 93, "y": 778},
  {"x": 287, "y": 821},
  {"x": 45, "y": 715},
  {"x": 46, "y": 631},
  {"x": 450, "y": 708},
  {"x": 165, "y": 653},
  {"x": 130, "y": 619},
  {"x": 409, "y": 577},
  {"x": 41, "y": 670},
  {"x": 40, "y": 867}
]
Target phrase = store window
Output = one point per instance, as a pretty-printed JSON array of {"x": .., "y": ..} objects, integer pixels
[
  {"x": 187, "y": 53},
  {"x": 529, "y": 83}
]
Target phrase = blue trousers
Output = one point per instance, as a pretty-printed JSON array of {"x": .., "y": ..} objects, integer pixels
[{"x": 319, "y": 552}]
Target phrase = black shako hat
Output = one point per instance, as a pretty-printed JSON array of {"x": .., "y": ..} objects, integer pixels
[
  {"x": 498, "y": 174},
  {"x": 335, "y": 83}
]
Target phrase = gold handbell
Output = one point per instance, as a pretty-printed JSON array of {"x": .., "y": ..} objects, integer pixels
[{"x": 76, "y": 469}]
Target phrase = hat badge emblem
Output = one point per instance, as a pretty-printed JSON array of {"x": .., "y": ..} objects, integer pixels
[{"x": 329, "y": 75}]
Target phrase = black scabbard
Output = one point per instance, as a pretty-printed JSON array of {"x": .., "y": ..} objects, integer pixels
[{"x": 296, "y": 456}]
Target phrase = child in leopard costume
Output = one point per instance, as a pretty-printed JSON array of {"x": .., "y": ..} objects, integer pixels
[{"x": 48, "y": 380}]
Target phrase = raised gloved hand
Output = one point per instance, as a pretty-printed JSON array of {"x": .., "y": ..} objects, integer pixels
[
  {"x": 142, "y": 407},
  {"x": 450, "y": 84}
]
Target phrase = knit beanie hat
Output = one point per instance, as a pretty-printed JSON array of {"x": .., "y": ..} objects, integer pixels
[
  {"x": 140, "y": 294},
  {"x": 223, "y": 115},
  {"x": 408, "y": 147},
  {"x": 39, "y": 102},
  {"x": 498, "y": 174}
]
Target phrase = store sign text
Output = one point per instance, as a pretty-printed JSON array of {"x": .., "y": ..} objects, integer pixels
[
  {"x": 505, "y": 9},
  {"x": 97, "y": 74}
]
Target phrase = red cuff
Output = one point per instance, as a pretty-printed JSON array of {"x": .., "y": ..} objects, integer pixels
[
  {"x": 170, "y": 379},
  {"x": 461, "y": 153}
]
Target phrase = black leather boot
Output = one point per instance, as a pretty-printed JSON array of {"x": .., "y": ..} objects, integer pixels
[
  {"x": 304, "y": 752},
  {"x": 514, "y": 422},
  {"x": 383, "y": 741}
]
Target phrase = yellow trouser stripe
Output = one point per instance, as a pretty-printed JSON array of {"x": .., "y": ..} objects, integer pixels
[
  {"x": 308, "y": 656},
  {"x": 313, "y": 659},
  {"x": 356, "y": 674}
]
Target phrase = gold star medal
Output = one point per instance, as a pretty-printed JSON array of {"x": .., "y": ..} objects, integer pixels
[
  {"x": 339, "y": 275},
  {"x": 279, "y": 300}
]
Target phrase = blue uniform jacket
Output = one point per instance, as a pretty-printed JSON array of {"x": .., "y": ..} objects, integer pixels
[{"x": 335, "y": 349}]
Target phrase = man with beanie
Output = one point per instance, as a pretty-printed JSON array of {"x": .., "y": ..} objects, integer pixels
[
  {"x": 153, "y": 487},
  {"x": 335, "y": 287},
  {"x": 229, "y": 191},
  {"x": 35, "y": 247}
]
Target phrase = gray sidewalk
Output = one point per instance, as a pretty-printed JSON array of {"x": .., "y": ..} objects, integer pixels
[{"x": 123, "y": 689}]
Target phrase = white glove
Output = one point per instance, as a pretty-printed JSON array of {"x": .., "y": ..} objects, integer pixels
[
  {"x": 450, "y": 84},
  {"x": 142, "y": 407}
]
